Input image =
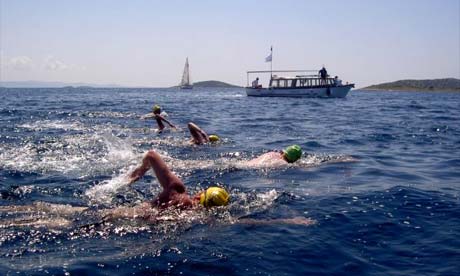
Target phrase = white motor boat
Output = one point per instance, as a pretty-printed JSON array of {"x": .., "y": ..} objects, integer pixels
[{"x": 310, "y": 86}]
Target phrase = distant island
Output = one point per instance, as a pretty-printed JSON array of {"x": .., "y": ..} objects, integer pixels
[
  {"x": 449, "y": 84},
  {"x": 213, "y": 84},
  {"x": 49, "y": 84},
  {"x": 45, "y": 84}
]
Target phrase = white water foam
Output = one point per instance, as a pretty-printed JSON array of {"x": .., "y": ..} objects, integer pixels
[
  {"x": 249, "y": 203},
  {"x": 76, "y": 155},
  {"x": 104, "y": 192},
  {"x": 53, "y": 124}
]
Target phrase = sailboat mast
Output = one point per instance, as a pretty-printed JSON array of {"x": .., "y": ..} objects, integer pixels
[
  {"x": 188, "y": 73},
  {"x": 185, "y": 81},
  {"x": 271, "y": 63}
]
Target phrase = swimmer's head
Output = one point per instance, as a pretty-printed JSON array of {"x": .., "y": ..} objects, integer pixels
[
  {"x": 214, "y": 138},
  {"x": 156, "y": 109},
  {"x": 214, "y": 196},
  {"x": 292, "y": 153}
]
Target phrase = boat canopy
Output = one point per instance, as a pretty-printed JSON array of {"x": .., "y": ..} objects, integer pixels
[
  {"x": 298, "y": 82},
  {"x": 301, "y": 80}
]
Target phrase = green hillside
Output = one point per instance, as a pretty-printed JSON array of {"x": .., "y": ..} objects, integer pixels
[
  {"x": 449, "y": 84},
  {"x": 213, "y": 83}
]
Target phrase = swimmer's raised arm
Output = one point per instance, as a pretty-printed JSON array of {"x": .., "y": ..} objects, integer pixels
[
  {"x": 198, "y": 135},
  {"x": 164, "y": 175},
  {"x": 168, "y": 122}
]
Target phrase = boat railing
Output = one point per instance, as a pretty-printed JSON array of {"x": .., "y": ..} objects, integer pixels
[
  {"x": 306, "y": 82},
  {"x": 277, "y": 71},
  {"x": 303, "y": 80}
]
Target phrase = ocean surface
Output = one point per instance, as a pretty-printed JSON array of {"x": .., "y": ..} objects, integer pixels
[{"x": 379, "y": 177}]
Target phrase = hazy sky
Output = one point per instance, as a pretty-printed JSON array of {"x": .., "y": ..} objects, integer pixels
[{"x": 145, "y": 43}]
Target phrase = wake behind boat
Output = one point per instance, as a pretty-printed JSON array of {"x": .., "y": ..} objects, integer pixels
[{"x": 303, "y": 85}]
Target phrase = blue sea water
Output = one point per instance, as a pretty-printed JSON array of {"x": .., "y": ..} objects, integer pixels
[{"x": 380, "y": 176}]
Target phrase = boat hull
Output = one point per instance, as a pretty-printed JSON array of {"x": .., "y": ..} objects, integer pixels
[{"x": 317, "y": 92}]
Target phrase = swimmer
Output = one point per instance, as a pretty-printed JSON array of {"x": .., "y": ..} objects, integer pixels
[
  {"x": 277, "y": 158},
  {"x": 174, "y": 193},
  {"x": 173, "y": 196},
  {"x": 156, "y": 114},
  {"x": 200, "y": 137}
]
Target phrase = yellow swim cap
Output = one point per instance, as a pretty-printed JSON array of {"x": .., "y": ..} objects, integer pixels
[
  {"x": 156, "y": 108},
  {"x": 213, "y": 138},
  {"x": 292, "y": 153},
  {"x": 214, "y": 196}
]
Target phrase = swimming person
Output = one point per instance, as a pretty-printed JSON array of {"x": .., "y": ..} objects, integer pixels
[
  {"x": 174, "y": 192},
  {"x": 277, "y": 158},
  {"x": 200, "y": 137},
  {"x": 156, "y": 114},
  {"x": 173, "y": 197}
]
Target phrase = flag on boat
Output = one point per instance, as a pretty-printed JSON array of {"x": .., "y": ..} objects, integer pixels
[{"x": 269, "y": 58}]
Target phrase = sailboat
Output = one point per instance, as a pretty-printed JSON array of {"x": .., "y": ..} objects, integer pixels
[{"x": 185, "y": 82}]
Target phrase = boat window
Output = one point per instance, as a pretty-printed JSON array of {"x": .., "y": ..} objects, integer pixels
[{"x": 294, "y": 82}]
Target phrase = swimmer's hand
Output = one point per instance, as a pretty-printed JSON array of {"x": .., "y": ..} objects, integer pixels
[
  {"x": 133, "y": 179},
  {"x": 146, "y": 116}
]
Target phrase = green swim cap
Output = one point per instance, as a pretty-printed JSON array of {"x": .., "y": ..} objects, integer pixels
[
  {"x": 213, "y": 138},
  {"x": 292, "y": 153},
  {"x": 156, "y": 108},
  {"x": 214, "y": 196}
]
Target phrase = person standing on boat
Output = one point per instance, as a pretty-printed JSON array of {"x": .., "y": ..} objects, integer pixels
[
  {"x": 255, "y": 83},
  {"x": 323, "y": 75},
  {"x": 158, "y": 116}
]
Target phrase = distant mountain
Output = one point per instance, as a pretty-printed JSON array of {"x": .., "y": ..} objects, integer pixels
[
  {"x": 449, "y": 84},
  {"x": 48, "y": 84},
  {"x": 213, "y": 83}
]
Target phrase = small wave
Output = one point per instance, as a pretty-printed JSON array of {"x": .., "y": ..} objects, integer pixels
[
  {"x": 107, "y": 114},
  {"x": 246, "y": 203},
  {"x": 80, "y": 155},
  {"x": 104, "y": 192},
  {"x": 53, "y": 124}
]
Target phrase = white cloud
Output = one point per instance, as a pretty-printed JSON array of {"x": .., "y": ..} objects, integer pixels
[
  {"x": 53, "y": 64},
  {"x": 20, "y": 63}
]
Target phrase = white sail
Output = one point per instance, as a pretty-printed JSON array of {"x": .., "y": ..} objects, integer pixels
[{"x": 185, "y": 82}]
